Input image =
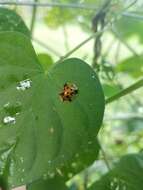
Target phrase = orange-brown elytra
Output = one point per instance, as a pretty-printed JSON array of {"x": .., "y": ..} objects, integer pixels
[{"x": 69, "y": 91}]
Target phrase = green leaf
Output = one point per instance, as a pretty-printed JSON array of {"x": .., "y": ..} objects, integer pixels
[
  {"x": 132, "y": 66},
  {"x": 11, "y": 21},
  {"x": 127, "y": 174},
  {"x": 46, "y": 133},
  {"x": 82, "y": 160},
  {"x": 54, "y": 183},
  {"x": 128, "y": 27},
  {"x": 69, "y": 15},
  {"x": 46, "y": 61},
  {"x": 110, "y": 89}
]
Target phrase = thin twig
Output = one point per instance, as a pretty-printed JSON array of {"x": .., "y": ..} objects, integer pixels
[
  {"x": 52, "y": 4},
  {"x": 118, "y": 35},
  {"x": 126, "y": 91},
  {"x": 33, "y": 18},
  {"x": 133, "y": 16},
  {"x": 83, "y": 43},
  {"x": 104, "y": 156},
  {"x": 124, "y": 117},
  {"x": 65, "y": 33}
]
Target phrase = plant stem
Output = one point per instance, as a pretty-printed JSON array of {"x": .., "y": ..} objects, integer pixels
[
  {"x": 83, "y": 43},
  {"x": 34, "y": 11},
  {"x": 52, "y": 4},
  {"x": 126, "y": 91},
  {"x": 65, "y": 33},
  {"x": 133, "y": 16},
  {"x": 117, "y": 35},
  {"x": 104, "y": 156}
]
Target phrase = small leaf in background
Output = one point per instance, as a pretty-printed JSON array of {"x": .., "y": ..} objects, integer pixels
[
  {"x": 126, "y": 175},
  {"x": 11, "y": 21},
  {"x": 128, "y": 27},
  {"x": 110, "y": 89},
  {"x": 46, "y": 61},
  {"x": 132, "y": 66},
  {"x": 45, "y": 134}
]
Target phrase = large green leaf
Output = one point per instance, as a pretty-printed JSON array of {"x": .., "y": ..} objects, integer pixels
[
  {"x": 132, "y": 66},
  {"x": 39, "y": 133},
  {"x": 54, "y": 183},
  {"x": 10, "y": 21},
  {"x": 127, "y": 175}
]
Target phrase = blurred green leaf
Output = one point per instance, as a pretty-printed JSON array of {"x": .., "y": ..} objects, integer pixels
[
  {"x": 110, "y": 89},
  {"x": 54, "y": 183},
  {"x": 58, "y": 16},
  {"x": 132, "y": 66},
  {"x": 46, "y": 61},
  {"x": 127, "y": 174},
  {"x": 10, "y": 21},
  {"x": 46, "y": 133},
  {"x": 128, "y": 27}
]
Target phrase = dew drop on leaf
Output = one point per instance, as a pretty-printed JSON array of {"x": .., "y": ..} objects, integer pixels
[
  {"x": 51, "y": 130},
  {"x": 45, "y": 176},
  {"x": 93, "y": 76},
  {"x": 59, "y": 171},
  {"x": 21, "y": 159},
  {"x": 23, "y": 170},
  {"x": 21, "y": 179},
  {"x": 49, "y": 161},
  {"x": 70, "y": 175},
  {"x": 89, "y": 142},
  {"x": 73, "y": 165}
]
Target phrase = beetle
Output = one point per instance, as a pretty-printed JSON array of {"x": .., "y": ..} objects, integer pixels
[{"x": 69, "y": 91}]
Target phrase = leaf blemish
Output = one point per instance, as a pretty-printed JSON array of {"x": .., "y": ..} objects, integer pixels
[
  {"x": 9, "y": 120},
  {"x": 23, "y": 85}
]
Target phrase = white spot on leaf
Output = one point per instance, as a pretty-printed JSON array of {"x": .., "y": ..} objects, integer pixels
[
  {"x": 23, "y": 85},
  {"x": 9, "y": 120}
]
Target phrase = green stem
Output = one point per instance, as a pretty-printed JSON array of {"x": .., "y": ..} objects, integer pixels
[
  {"x": 117, "y": 35},
  {"x": 83, "y": 43},
  {"x": 65, "y": 37},
  {"x": 104, "y": 156},
  {"x": 126, "y": 91},
  {"x": 34, "y": 11}
]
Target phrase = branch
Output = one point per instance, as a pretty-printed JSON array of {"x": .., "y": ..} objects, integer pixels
[
  {"x": 52, "y": 4},
  {"x": 34, "y": 11},
  {"x": 118, "y": 35},
  {"x": 83, "y": 43},
  {"x": 133, "y": 16},
  {"x": 124, "y": 117},
  {"x": 106, "y": 161},
  {"x": 126, "y": 91}
]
